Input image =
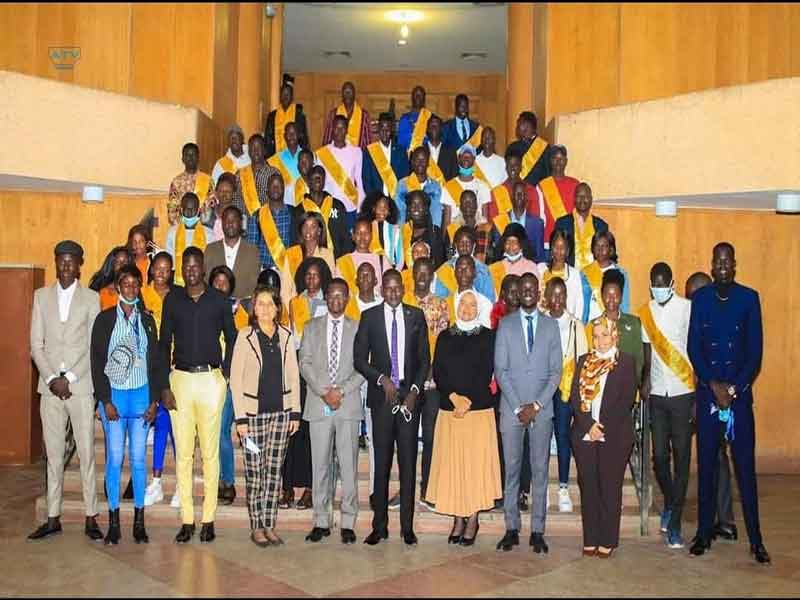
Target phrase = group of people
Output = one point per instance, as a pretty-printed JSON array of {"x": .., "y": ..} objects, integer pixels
[{"x": 420, "y": 282}]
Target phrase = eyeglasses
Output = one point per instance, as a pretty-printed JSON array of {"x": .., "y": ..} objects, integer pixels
[{"x": 404, "y": 411}]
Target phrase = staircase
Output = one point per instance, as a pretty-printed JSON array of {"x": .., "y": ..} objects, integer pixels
[{"x": 235, "y": 515}]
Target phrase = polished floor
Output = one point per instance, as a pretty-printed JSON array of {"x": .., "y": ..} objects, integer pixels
[{"x": 71, "y": 565}]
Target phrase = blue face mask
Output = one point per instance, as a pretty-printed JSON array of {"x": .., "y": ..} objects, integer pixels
[
  {"x": 661, "y": 295},
  {"x": 133, "y": 302},
  {"x": 512, "y": 257},
  {"x": 465, "y": 172},
  {"x": 190, "y": 222}
]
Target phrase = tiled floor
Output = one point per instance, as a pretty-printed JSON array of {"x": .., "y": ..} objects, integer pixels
[{"x": 70, "y": 565}]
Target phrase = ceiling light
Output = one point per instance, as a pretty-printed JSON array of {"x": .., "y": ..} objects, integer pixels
[
  {"x": 474, "y": 55},
  {"x": 404, "y": 16},
  {"x": 336, "y": 53},
  {"x": 404, "y": 31},
  {"x": 402, "y": 42}
]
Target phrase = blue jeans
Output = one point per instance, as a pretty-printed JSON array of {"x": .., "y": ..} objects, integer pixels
[
  {"x": 226, "y": 443},
  {"x": 127, "y": 402},
  {"x": 163, "y": 428},
  {"x": 562, "y": 420}
]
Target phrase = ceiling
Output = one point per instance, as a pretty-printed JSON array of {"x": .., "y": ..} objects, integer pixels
[{"x": 434, "y": 44}]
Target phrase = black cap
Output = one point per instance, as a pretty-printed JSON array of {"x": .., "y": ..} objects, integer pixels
[{"x": 69, "y": 247}]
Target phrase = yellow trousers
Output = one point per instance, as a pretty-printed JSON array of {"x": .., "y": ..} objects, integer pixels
[{"x": 199, "y": 398}]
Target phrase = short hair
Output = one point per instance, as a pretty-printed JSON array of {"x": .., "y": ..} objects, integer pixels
[
  {"x": 724, "y": 246},
  {"x": 371, "y": 201},
  {"x": 190, "y": 196},
  {"x": 461, "y": 97},
  {"x": 317, "y": 218},
  {"x": 421, "y": 262},
  {"x": 307, "y": 152},
  {"x": 434, "y": 117},
  {"x": 528, "y": 275},
  {"x": 192, "y": 251},
  {"x": 466, "y": 230},
  {"x": 467, "y": 193},
  {"x": 276, "y": 299},
  {"x": 228, "y": 177},
  {"x": 554, "y": 282},
  {"x": 226, "y": 271},
  {"x": 392, "y": 273},
  {"x": 233, "y": 208},
  {"x": 512, "y": 153},
  {"x": 423, "y": 149},
  {"x": 337, "y": 281},
  {"x": 661, "y": 268},
  {"x": 276, "y": 175},
  {"x": 612, "y": 243},
  {"x": 269, "y": 277},
  {"x": 508, "y": 280},
  {"x": 696, "y": 281},
  {"x": 255, "y": 138},
  {"x": 613, "y": 277},
  {"x": 318, "y": 169},
  {"x": 129, "y": 269},
  {"x": 386, "y": 116},
  {"x": 189, "y": 146},
  {"x": 363, "y": 218},
  {"x": 420, "y": 194},
  {"x": 465, "y": 257},
  {"x": 529, "y": 116},
  {"x": 163, "y": 254},
  {"x": 559, "y": 148},
  {"x": 312, "y": 261},
  {"x": 342, "y": 118}
]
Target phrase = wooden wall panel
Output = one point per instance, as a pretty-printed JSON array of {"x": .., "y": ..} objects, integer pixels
[
  {"x": 226, "y": 48},
  {"x": 103, "y": 33},
  {"x": 152, "y": 27},
  {"x": 18, "y": 51}
]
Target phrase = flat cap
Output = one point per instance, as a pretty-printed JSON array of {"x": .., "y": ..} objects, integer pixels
[{"x": 69, "y": 247}]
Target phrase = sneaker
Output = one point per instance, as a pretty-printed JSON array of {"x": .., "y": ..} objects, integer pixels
[
  {"x": 666, "y": 515},
  {"x": 674, "y": 539},
  {"x": 394, "y": 502},
  {"x": 424, "y": 504},
  {"x": 154, "y": 493},
  {"x": 176, "y": 498},
  {"x": 564, "y": 501}
]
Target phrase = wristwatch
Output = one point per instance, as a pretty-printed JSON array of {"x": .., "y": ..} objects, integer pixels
[{"x": 732, "y": 391}]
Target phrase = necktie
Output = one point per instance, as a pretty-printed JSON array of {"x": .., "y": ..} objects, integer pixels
[
  {"x": 333, "y": 356},
  {"x": 463, "y": 132},
  {"x": 530, "y": 334},
  {"x": 395, "y": 358}
]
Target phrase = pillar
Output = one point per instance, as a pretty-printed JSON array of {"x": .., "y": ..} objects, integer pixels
[
  {"x": 249, "y": 81},
  {"x": 519, "y": 68}
]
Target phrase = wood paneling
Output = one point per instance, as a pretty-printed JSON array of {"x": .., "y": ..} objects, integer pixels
[{"x": 226, "y": 68}]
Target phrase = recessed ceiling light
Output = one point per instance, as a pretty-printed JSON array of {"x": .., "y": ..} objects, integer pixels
[
  {"x": 402, "y": 42},
  {"x": 336, "y": 53},
  {"x": 405, "y": 16}
]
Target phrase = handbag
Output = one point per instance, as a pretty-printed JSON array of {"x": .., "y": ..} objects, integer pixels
[{"x": 121, "y": 360}]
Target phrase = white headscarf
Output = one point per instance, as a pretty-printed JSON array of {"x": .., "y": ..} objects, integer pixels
[{"x": 484, "y": 311}]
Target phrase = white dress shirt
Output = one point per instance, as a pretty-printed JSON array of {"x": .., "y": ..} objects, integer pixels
[
  {"x": 401, "y": 337},
  {"x": 231, "y": 252},
  {"x": 672, "y": 321},
  {"x": 240, "y": 161},
  {"x": 434, "y": 150},
  {"x": 64, "y": 301}
]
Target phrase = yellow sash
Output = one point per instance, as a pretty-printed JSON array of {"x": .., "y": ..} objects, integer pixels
[
  {"x": 294, "y": 256},
  {"x": 351, "y": 310},
  {"x": 271, "y": 236},
  {"x": 198, "y": 240},
  {"x": 455, "y": 189},
  {"x": 276, "y": 161},
  {"x": 567, "y": 374},
  {"x": 413, "y": 183},
  {"x": 668, "y": 354},
  {"x": 202, "y": 182},
  {"x": 594, "y": 274},
  {"x": 249, "y": 192},
  {"x": 420, "y": 129},
  {"x": 240, "y": 318},
  {"x": 347, "y": 267},
  {"x": 324, "y": 210},
  {"x": 353, "y": 123},
  {"x": 552, "y": 195},
  {"x": 408, "y": 283},
  {"x": 583, "y": 240},
  {"x": 451, "y": 232},
  {"x": 501, "y": 221},
  {"x": 533, "y": 154},
  {"x": 502, "y": 199},
  {"x": 338, "y": 174},
  {"x": 435, "y": 173},
  {"x": 228, "y": 166},
  {"x": 300, "y": 190},
  {"x": 498, "y": 272},
  {"x": 299, "y": 313},
  {"x": 384, "y": 167},
  {"x": 475, "y": 138},
  {"x": 375, "y": 243},
  {"x": 479, "y": 174},
  {"x": 282, "y": 119},
  {"x": 447, "y": 275},
  {"x": 408, "y": 232}
]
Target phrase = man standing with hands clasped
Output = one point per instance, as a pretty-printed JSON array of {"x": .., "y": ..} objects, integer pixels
[{"x": 527, "y": 366}]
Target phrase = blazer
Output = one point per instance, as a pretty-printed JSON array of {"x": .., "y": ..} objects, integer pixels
[
  {"x": 370, "y": 177},
  {"x": 372, "y": 357},
  {"x": 534, "y": 230},
  {"x": 567, "y": 223},
  {"x": 314, "y": 370},
  {"x": 246, "y": 267},
  {"x": 246, "y": 372},
  {"x": 451, "y": 136},
  {"x": 615, "y": 411},
  {"x": 269, "y": 130},
  {"x": 101, "y": 337},
  {"x": 54, "y": 342},
  {"x": 542, "y": 167},
  {"x": 448, "y": 163},
  {"x": 526, "y": 378}
]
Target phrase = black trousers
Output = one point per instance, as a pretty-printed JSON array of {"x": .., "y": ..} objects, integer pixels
[
  {"x": 670, "y": 421},
  {"x": 428, "y": 413},
  {"x": 296, "y": 471},
  {"x": 388, "y": 430}
]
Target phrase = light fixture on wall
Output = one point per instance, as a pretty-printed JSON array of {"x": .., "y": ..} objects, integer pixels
[
  {"x": 404, "y": 31},
  {"x": 788, "y": 203},
  {"x": 666, "y": 208},
  {"x": 92, "y": 194},
  {"x": 404, "y": 16},
  {"x": 269, "y": 10},
  {"x": 402, "y": 42}
]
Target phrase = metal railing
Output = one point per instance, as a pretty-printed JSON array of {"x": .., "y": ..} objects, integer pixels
[{"x": 639, "y": 463}]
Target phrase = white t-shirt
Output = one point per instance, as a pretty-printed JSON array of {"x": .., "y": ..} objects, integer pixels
[{"x": 494, "y": 167}]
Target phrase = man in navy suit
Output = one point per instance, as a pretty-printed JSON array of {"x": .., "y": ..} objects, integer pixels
[
  {"x": 725, "y": 347},
  {"x": 458, "y": 130},
  {"x": 381, "y": 153}
]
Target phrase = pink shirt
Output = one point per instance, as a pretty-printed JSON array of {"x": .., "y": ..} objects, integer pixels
[
  {"x": 350, "y": 158},
  {"x": 375, "y": 261},
  {"x": 522, "y": 266}
]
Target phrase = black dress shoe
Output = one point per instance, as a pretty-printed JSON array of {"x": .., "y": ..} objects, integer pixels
[
  {"x": 226, "y": 494},
  {"x": 317, "y": 534},
  {"x": 348, "y": 536},
  {"x": 376, "y": 536},
  {"x": 113, "y": 534},
  {"x": 362, "y": 442},
  {"x": 699, "y": 546},
  {"x": 510, "y": 539},
  {"x": 538, "y": 543},
  {"x": 185, "y": 534},
  {"x": 760, "y": 554},
  {"x": 50, "y": 528},
  {"x": 410, "y": 538},
  {"x": 726, "y": 531},
  {"x": 92, "y": 530},
  {"x": 207, "y": 532}
]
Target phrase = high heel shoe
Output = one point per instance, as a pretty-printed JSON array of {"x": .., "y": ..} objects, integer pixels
[
  {"x": 465, "y": 541},
  {"x": 455, "y": 539}
]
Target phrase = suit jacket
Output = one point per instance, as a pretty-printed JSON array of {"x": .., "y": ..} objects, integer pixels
[
  {"x": 450, "y": 133},
  {"x": 314, "y": 369},
  {"x": 615, "y": 411},
  {"x": 542, "y": 167},
  {"x": 101, "y": 337},
  {"x": 448, "y": 163},
  {"x": 369, "y": 172},
  {"x": 54, "y": 342},
  {"x": 372, "y": 354},
  {"x": 246, "y": 267},
  {"x": 524, "y": 378},
  {"x": 567, "y": 223},
  {"x": 269, "y": 130},
  {"x": 534, "y": 229}
]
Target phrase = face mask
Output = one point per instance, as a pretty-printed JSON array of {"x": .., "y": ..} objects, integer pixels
[
  {"x": 133, "y": 302},
  {"x": 190, "y": 221},
  {"x": 513, "y": 257},
  {"x": 465, "y": 172},
  {"x": 661, "y": 295}
]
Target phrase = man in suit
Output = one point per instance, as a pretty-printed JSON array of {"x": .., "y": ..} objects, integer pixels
[
  {"x": 519, "y": 213},
  {"x": 443, "y": 165},
  {"x": 241, "y": 257},
  {"x": 725, "y": 347},
  {"x": 277, "y": 120},
  {"x": 534, "y": 149},
  {"x": 333, "y": 410},
  {"x": 391, "y": 351},
  {"x": 461, "y": 129},
  {"x": 61, "y": 332},
  {"x": 581, "y": 225},
  {"x": 527, "y": 365},
  {"x": 385, "y": 162}
]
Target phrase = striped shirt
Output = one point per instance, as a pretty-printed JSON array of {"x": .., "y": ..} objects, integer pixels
[
  {"x": 261, "y": 176},
  {"x": 137, "y": 376},
  {"x": 283, "y": 222}
]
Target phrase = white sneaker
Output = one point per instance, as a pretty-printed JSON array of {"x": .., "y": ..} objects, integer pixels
[
  {"x": 154, "y": 493},
  {"x": 564, "y": 501},
  {"x": 176, "y": 498}
]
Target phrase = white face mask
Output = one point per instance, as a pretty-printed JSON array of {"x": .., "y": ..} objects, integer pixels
[
  {"x": 512, "y": 258},
  {"x": 608, "y": 353}
]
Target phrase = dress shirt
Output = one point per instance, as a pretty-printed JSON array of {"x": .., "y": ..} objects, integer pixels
[
  {"x": 523, "y": 317},
  {"x": 494, "y": 167},
  {"x": 240, "y": 162},
  {"x": 401, "y": 337},
  {"x": 64, "y": 302},
  {"x": 283, "y": 222},
  {"x": 514, "y": 219},
  {"x": 435, "y": 150},
  {"x": 462, "y": 129},
  {"x": 350, "y": 158},
  {"x": 672, "y": 321},
  {"x": 231, "y": 252},
  {"x": 261, "y": 175},
  {"x": 482, "y": 193}
]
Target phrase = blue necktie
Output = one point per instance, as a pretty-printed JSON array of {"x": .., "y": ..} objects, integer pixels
[
  {"x": 530, "y": 334},
  {"x": 463, "y": 132},
  {"x": 394, "y": 356}
]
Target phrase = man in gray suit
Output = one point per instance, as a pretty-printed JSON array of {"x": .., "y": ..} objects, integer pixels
[
  {"x": 240, "y": 256},
  {"x": 527, "y": 365},
  {"x": 61, "y": 332},
  {"x": 333, "y": 410}
]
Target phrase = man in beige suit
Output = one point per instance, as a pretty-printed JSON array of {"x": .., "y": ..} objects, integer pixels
[
  {"x": 333, "y": 410},
  {"x": 240, "y": 256},
  {"x": 61, "y": 330}
]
